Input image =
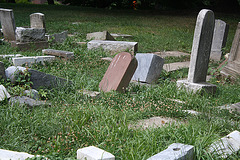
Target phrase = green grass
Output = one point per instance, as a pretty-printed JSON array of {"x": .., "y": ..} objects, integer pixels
[{"x": 75, "y": 121}]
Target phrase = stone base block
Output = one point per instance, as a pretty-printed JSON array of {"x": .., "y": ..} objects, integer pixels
[
  {"x": 195, "y": 87},
  {"x": 93, "y": 153},
  {"x": 231, "y": 69},
  {"x": 30, "y": 45}
]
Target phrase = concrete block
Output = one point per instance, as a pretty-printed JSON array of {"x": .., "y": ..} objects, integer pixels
[
  {"x": 149, "y": 67},
  {"x": 59, "y": 53},
  {"x": 32, "y": 60},
  {"x": 3, "y": 93},
  {"x": 227, "y": 145},
  {"x": 175, "y": 151},
  {"x": 30, "y": 34},
  {"x": 113, "y": 46},
  {"x": 94, "y": 153},
  {"x": 105, "y": 35},
  {"x": 13, "y": 155}
]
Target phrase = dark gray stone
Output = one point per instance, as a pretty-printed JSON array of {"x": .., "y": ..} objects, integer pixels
[
  {"x": 23, "y": 46},
  {"x": 58, "y": 37},
  {"x": 30, "y": 34},
  {"x": 29, "y": 102},
  {"x": 149, "y": 67},
  {"x": 44, "y": 80},
  {"x": 8, "y": 24},
  {"x": 2, "y": 71}
]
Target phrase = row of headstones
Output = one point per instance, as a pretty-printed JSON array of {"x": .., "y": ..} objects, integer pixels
[{"x": 224, "y": 147}]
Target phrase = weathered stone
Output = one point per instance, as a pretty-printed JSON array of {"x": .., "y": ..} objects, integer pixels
[
  {"x": 219, "y": 39},
  {"x": 116, "y": 35},
  {"x": 201, "y": 48},
  {"x": 30, "y": 34},
  {"x": 10, "y": 55},
  {"x": 3, "y": 93},
  {"x": 175, "y": 66},
  {"x": 94, "y": 153},
  {"x": 32, "y": 93},
  {"x": 227, "y": 145},
  {"x": 107, "y": 59},
  {"x": 119, "y": 73},
  {"x": 29, "y": 102},
  {"x": 13, "y": 72},
  {"x": 171, "y": 54},
  {"x": 37, "y": 20},
  {"x": 105, "y": 35},
  {"x": 13, "y": 155},
  {"x": 44, "y": 80},
  {"x": 233, "y": 66},
  {"x": 92, "y": 94},
  {"x": 58, "y": 37},
  {"x": 81, "y": 43},
  {"x": 8, "y": 24},
  {"x": 2, "y": 71},
  {"x": 113, "y": 46},
  {"x": 232, "y": 108},
  {"x": 59, "y": 53},
  {"x": 29, "y": 61},
  {"x": 191, "y": 112},
  {"x": 149, "y": 68},
  {"x": 175, "y": 151},
  {"x": 29, "y": 45}
]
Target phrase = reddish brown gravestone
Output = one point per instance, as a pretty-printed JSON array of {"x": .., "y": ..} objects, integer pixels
[{"x": 119, "y": 73}]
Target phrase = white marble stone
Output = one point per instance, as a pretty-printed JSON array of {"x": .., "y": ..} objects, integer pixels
[
  {"x": 3, "y": 93},
  {"x": 19, "y": 61},
  {"x": 105, "y": 35},
  {"x": 37, "y": 20},
  {"x": 12, "y": 155}
]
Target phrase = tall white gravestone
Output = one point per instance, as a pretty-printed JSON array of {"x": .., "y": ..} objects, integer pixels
[
  {"x": 8, "y": 24},
  {"x": 200, "y": 54},
  {"x": 37, "y": 20}
]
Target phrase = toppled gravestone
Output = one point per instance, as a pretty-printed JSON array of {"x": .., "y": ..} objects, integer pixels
[
  {"x": 175, "y": 151},
  {"x": 105, "y": 35},
  {"x": 3, "y": 93},
  {"x": 13, "y": 72},
  {"x": 94, "y": 153},
  {"x": 29, "y": 102},
  {"x": 30, "y": 34},
  {"x": 19, "y": 61},
  {"x": 59, "y": 53}
]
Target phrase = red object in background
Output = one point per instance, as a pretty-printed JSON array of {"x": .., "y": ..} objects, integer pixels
[{"x": 134, "y": 5}]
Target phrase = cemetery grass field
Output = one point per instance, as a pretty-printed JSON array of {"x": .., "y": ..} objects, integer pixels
[{"x": 75, "y": 121}]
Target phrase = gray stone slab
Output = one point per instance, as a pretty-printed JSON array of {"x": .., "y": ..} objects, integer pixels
[
  {"x": 175, "y": 151},
  {"x": 227, "y": 145},
  {"x": 29, "y": 61},
  {"x": 37, "y": 20},
  {"x": 171, "y": 54},
  {"x": 232, "y": 107},
  {"x": 10, "y": 55},
  {"x": 44, "y": 80},
  {"x": 30, "y": 34},
  {"x": 8, "y": 24},
  {"x": 23, "y": 46},
  {"x": 58, "y": 37},
  {"x": 175, "y": 66},
  {"x": 118, "y": 35},
  {"x": 13, "y": 155},
  {"x": 2, "y": 71},
  {"x": 233, "y": 65},
  {"x": 94, "y": 153},
  {"x": 59, "y": 53},
  {"x": 219, "y": 39},
  {"x": 149, "y": 67},
  {"x": 3, "y": 93},
  {"x": 29, "y": 102},
  {"x": 113, "y": 46},
  {"x": 105, "y": 35}
]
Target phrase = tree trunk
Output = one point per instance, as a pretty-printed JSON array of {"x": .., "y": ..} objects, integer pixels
[{"x": 50, "y": 2}]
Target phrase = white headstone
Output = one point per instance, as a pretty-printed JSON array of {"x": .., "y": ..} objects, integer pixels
[{"x": 37, "y": 20}]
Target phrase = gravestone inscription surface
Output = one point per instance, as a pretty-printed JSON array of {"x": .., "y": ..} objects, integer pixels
[
  {"x": 8, "y": 24},
  {"x": 37, "y": 20},
  {"x": 119, "y": 73}
]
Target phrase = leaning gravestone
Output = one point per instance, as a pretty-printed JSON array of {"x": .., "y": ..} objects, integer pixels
[
  {"x": 233, "y": 66},
  {"x": 149, "y": 67},
  {"x": 8, "y": 24},
  {"x": 37, "y": 20},
  {"x": 201, "y": 48},
  {"x": 119, "y": 73},
  {"x": 219, "y": 39}
]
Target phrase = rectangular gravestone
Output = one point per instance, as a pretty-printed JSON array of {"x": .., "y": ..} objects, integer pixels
[
  {"x": 113, "y": 46},
  {"x": 19, "y": 61},
  {"x": 59, "y": 53},
  {"x": 201, "y": 48},
  {"x": 119, "y": 73},
  {"x": 8, "y": 24},
  {"x": 219, "y": 39},
  {"x": 233, "y": 65},
  {"x": 105, "y": 35},
  {"x": 44, "y": 80},
  {"x": 149, "y": 68},
  {"x": 37, "y": 20}
]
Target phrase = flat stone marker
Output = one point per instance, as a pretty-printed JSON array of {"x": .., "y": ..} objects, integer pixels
[
  {"x": 8, "y": 24},
  {"x": 219, "y": 39},
  {"x": 171, "y": 54},
  {"x": 2, "y": 71},
  {"x": 117, "y": 35},
  {"x": 149, "y": 67},
  {"x": 233, "y": 107},
  {"x": 113, "y": 46},
  {"x": 175, "y": 151},
  {"x": 227, "y": 145},
  {"x": 23, "y": 46},
  {"x": 233, "y": 66},
  {"x": 105, "y": 35},
  {"x": 37, "y": 20},
  {"x": 3, "y": 93},
  {"x": 30, "y": 34},
  {"x": 13, "y": 155},
  {"x": 93, "y": 153},
  {"x": 19, "y": 61},
  {"x": 59, "y": 53},
  {"x": 175, "y": 66},
  {"x": 201, "y": 48},
  {"x": 119, "y": 73}
]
